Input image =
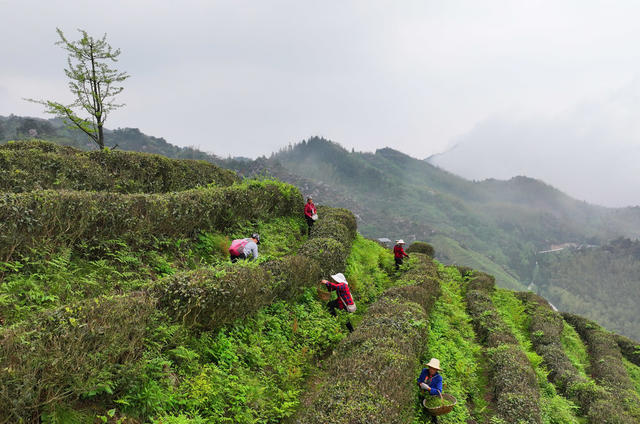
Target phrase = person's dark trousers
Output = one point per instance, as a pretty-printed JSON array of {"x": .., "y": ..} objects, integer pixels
[
  {"x": 398, "y": 263},
  {"x": 332, "y": 305},
  {"x": 309, "y": 224},
  {"x": 234, "y": 258}
]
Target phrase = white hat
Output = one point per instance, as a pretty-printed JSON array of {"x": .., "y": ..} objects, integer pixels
[
  {"x": 400, "y": 241},
  {"x": 434, "y": 363},
  {"x": 340, "y": 278}
]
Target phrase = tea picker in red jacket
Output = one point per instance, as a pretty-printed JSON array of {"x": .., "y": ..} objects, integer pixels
[
  {"x": 399, "y": 253},
  {"x": 344, "y": 300},
  {"x": 310, "y": 214}
]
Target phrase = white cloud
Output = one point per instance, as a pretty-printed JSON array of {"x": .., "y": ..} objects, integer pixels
[{"x": 591, "y": 151}]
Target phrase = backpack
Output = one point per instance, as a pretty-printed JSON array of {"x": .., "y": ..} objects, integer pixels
[{"x": 237, "y": 247}]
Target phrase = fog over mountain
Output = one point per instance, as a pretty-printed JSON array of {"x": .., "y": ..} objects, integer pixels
[{"x": 591, "y": 151}]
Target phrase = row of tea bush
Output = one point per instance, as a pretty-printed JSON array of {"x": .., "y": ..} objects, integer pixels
[
  {"x": 368, "y": 376},
  {"x": 39, "y": 165}
]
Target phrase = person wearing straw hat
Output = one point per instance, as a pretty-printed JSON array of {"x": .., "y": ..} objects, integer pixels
[
  {"x": 399, "y": 253},
  {"x": 430, "y": 380},
  {"x": 344, "y": 301}
]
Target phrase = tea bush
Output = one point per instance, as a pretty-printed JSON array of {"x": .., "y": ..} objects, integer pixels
[
  {"x": 211, "y": 298},
  {"x": 421, "y": 247},
  {"x": 630, "y": 349},
  {"x": 255, "y": 370},
  {"x": 38, "y": 165},
  {"x": 340, "y": 215},
  {"x": 330, "y": 254},
  {"x": 70, "y": 353}
]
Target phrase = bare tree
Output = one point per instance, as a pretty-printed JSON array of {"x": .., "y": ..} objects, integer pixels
[{"x": 93, "y": 83}]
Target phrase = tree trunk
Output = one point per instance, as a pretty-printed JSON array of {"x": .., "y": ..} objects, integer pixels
[{"x": 100, "y": 137}]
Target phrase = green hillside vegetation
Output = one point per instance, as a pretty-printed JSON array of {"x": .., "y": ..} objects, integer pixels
[
  {"x": 122, "y": 307},
  {"x": 599, "y": 283},
  {"x": 494, "y": 226},
  {"x": 505, "y": 221}
]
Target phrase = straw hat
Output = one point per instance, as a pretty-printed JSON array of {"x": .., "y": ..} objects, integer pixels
[
  {"x": 340, "y": 278},
  {"x": 434, "y": 363},
  {"x": 400, "y": 241}
]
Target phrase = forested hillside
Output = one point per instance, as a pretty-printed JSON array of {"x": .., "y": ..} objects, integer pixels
[
  {"x": 503, "y": 223},
  {"x": 602, "y": 283},
  {"x": 118, "y": 304}
]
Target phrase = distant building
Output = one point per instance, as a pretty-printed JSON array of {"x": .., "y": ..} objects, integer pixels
[{"x": 385, "y": 241}]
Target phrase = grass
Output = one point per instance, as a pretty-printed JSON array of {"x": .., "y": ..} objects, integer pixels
[
  {"x": 575, "y": 349},
  {"x": 634, "y": 374},
  {"x": 368, "y": 269}
]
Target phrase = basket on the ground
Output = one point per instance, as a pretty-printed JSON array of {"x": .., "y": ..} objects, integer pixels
[
  {"x": 442, "y": 409},
  {"x": 323, "y": 293}
]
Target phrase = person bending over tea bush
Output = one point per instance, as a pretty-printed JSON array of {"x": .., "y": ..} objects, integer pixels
[
  {"x": 245, "y": 248},
  {"x": 431, "y": 381},
  {"x": 344, "y": 299}
]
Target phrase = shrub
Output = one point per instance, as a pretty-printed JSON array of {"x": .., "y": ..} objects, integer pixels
[
  {"x": 72, "y": 217},
  {"x": 483, "y": 282},
  {"x": 34, "y": 165},
  {"x": 369, "y": 375},
  {"x": 212, "y": 298},
  {"x": 330, "y": 254},
  {"x": 421, "y": 247},
  {"x": 340, "y": 215},
  {"x": 630, "y": 349},
  {"x": 72, "y": 352},
  {"x": 465, "y": 271},
  {"x": 333, "y": 230}
]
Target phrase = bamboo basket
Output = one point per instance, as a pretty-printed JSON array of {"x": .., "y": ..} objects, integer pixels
[
  {"x": 442, "y": 409},
  {"x": 323, "y": 294}
]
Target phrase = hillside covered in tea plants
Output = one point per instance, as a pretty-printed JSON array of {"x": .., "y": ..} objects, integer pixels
[
  {"x": 118, "y": 304},
  {"x": 499, "y": 227}
]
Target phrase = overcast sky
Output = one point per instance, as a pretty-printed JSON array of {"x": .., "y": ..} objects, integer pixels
[{"x": 248, "y": 77}]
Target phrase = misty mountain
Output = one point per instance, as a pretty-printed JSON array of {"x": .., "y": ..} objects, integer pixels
[
  {"x": 506, "y": 222},
  {"x": 591, "y": 151}
]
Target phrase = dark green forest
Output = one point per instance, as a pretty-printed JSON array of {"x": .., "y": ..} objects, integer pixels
[{"x": 600, "y": 283}]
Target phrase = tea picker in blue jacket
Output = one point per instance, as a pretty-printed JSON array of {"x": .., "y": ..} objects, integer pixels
[{"x": 431, "y": 381}]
